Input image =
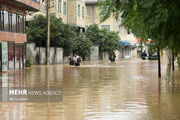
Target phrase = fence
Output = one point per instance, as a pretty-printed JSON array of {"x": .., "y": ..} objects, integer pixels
[{"x": 38, "y": 54}]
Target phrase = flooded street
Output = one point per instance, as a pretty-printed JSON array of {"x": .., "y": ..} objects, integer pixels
[{"x": 126, "y": 90}]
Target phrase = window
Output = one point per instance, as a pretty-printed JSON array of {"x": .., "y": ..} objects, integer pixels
[
  {"x": 6, "y": 21},
  {"x": 64, "y": 8},
  {"x": 59, "y": 6},
  {"x": 103, "y": 26},
  {"x": 20, "y": 24},
  {"x": 24, "y": 24},
  {"x": 108, "y": 27},
  {"x": 79, "y": 14},
  {"x": 10, "y": 22},
  {"x": 83, "y": 12},
  {"x": 1, "y": 20},
  {"x": 14, "y": 22}
]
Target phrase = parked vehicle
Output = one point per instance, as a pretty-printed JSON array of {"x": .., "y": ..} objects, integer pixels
[{"x": 153, "y": 57}]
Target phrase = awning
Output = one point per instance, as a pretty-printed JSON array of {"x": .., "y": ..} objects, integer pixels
[{"x": 125, "y": 44}]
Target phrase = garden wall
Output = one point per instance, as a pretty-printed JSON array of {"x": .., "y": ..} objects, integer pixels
[{"x": 38, "y": 54}]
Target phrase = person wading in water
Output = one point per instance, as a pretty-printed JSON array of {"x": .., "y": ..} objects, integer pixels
[
  {"x": 77, "y": 60},
  {"x": 112, "y": 57},
  {"x": 71, "y": 60}
]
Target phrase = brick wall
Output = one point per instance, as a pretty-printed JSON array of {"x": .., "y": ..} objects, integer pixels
[{"x": 16, "y": 37}]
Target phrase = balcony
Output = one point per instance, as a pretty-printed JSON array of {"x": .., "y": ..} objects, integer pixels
[{"x": 29, "y": 5}]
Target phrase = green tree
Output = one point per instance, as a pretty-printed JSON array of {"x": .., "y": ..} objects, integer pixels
[
  {"x": 154, "y": 19},
  {"x": 82, "y": 46},
  {"x": 36, "y": 30},
  {"x": 110, "y": 41},
  {"x": 106, "y": 40},
  {"x": 94, "y": 34},
  {"x": 62, "y": 35}
]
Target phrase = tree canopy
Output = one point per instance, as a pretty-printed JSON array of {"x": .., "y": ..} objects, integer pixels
[
  {"x": 155, "y": 19},
  {"x": 65, "y": 36},
  {"x": 107, "y": 41},
  {"x": 82, "y": 46},
  {"x": 62, "y": 35}
]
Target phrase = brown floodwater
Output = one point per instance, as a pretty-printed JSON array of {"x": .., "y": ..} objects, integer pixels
[{"x": 126, "y": 90}]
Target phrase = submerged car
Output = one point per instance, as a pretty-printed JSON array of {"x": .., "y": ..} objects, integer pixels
[{"x": 153, "y": 57}]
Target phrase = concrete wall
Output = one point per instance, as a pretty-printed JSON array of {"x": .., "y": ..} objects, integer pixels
[
  {"x": 94, "y": 56},
  {"x": 98, "y": 55},
  {"x": 38, "y": 54},
  {"x": 103, "y": 55},
  {"x": 94, "y": 53}
]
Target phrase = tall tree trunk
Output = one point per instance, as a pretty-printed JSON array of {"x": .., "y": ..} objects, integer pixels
[
  {"x": 159, "y": 62},
  {"x": 173, "y": 68},
  {"x": 168, "y": 69}
]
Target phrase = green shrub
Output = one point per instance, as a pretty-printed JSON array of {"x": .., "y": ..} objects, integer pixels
[{"x": 29, "y": 62}]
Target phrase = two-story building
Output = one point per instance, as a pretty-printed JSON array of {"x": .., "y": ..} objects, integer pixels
[
  {"x": 12, "y": 31},
  {"x": 127, "y": 38},
  {"x": 72, "y": 12},
  {"x": 77, "y": 13}
]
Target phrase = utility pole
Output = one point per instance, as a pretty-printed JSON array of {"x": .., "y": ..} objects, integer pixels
[
  {"x": 173, "y": 67},
  {"x": 159, "y": 62},
  {"x": 48, "y": 33}
]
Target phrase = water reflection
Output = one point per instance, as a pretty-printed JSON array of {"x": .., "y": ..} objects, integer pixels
[{"x": 127, "y": 90}]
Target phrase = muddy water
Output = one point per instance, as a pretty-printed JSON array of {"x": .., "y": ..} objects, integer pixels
[{"x": 125, "y": 90}]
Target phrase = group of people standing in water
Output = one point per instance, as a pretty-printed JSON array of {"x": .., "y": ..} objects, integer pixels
[{"x": 75, "y": 60}]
